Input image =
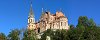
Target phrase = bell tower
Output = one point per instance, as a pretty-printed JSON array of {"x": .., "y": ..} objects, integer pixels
[{"x": 31, "y": 19}]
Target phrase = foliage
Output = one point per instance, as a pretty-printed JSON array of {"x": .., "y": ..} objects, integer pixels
[
  {"x": 54, "y": 34},
  {"x": 3, "y": 36},
  {"x": 75, "y": 34},
  {"x": 84, "y": 21},
  {"x": 72, "y": 26},
  {"x": 29, "y": 35},
  {"x": 14, "y": 35}
]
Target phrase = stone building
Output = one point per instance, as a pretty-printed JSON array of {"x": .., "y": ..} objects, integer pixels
[
  {"x": 53, "y": 21},
  {"x": 47, "y": 21}
]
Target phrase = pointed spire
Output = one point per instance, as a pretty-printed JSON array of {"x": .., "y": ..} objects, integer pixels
[
  {"x": 42, "y": 9},
  {"x": 42, "y": 12},
  {"x": 60, "y": 9},
  {"x": 31, "y": 14}
]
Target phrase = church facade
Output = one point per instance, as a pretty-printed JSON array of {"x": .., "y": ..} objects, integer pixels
[{"x": 47, "y": 21}]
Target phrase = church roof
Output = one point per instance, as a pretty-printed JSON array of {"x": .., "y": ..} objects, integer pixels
[{"x": 58, "y": 14}]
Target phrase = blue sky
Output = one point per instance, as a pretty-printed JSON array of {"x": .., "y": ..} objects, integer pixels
[{"x": 14, "y": 13}]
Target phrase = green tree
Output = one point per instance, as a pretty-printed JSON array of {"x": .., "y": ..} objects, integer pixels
[
  {"x": 86, "y": 29},
  {"x": 46, "y": 33},
  {"x": 14, "y": 35},
  {"x": 29, "y": 35},
  {"x": 72, "y": 26},
  {"x": 82, "y": 20},
  {"x": 54, "y": 34},
  {"x": 3, "y": 36},
  {"x": 91, "y": 23}
]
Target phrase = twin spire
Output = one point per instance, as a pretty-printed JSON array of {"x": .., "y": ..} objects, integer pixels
[{"x": 31, "y": 14}]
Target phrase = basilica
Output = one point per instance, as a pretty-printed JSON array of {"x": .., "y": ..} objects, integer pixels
[{"x": 47, "y": 21}]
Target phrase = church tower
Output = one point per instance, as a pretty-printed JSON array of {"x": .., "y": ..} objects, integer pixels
[{"x": 31, "y": 19}]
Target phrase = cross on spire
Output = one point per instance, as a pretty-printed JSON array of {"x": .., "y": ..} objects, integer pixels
[{"x": 31, "y": 2}]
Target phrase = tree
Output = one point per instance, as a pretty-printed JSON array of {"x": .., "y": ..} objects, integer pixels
[
  {"x": 86, "y": 29},
  {"x": 55, "y": 35},
  {"x": 72, "y": 26},
  {"x": 82, "y": 20},
  {"x": 14, "y": 35},
  {"x": 46, "y": 33},
  {"x": 3, "y": 36},
  {"x": 91, "y": 23},
  {"x": 29, "y": 35}
]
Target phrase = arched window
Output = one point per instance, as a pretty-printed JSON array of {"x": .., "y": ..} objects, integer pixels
[
  {"x": 61, "y": 23},
  {"x": 38, "y": 30},
  {"x": 65, "y": 23},
  {"x": 31, "y": 20},
  {"x": 32, "y": 25}
]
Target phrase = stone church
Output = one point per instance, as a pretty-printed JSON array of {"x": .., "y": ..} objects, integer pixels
[{"x": 47, "y": 21}]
